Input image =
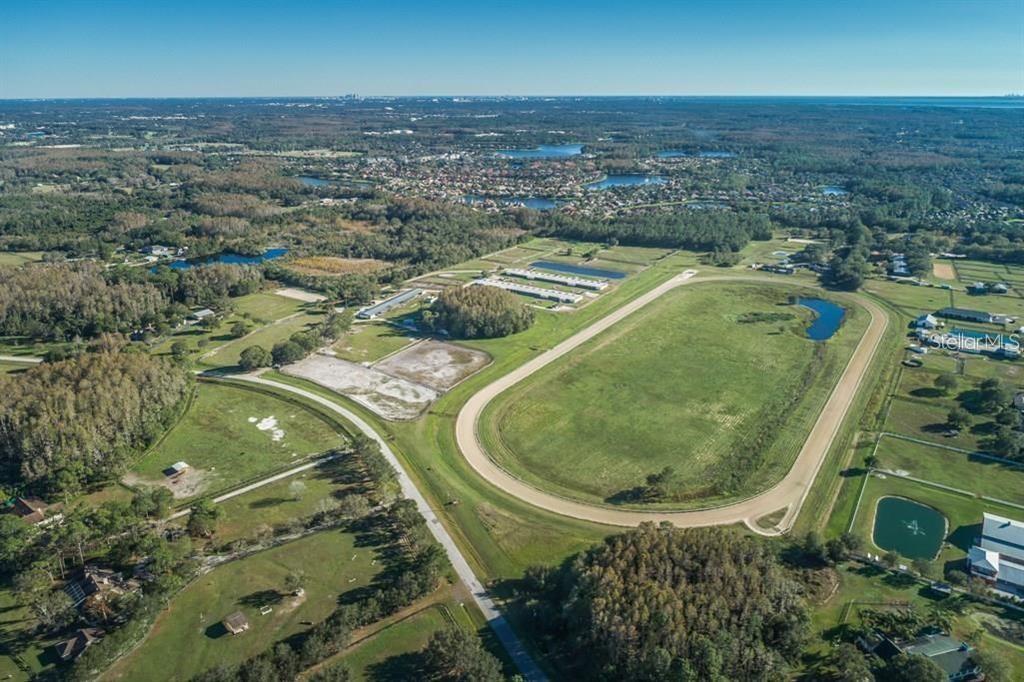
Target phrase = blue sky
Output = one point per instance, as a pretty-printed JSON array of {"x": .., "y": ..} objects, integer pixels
[{"x": 152, "y": 48}]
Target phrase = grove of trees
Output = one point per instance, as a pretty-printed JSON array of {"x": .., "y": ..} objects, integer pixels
[{"x": 477, "y": 312}]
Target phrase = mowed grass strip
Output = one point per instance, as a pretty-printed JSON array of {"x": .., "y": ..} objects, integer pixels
[
  {"x": 221, "y": 438},
  {"x": 681, "y": 383},
  {"x": 368, "y": 342},
  {"x": 979, "y": 475},
  {"x": 188, "y": 637}
]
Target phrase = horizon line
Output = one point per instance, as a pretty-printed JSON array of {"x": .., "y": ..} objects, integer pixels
[{"x": 1008, "y": 95}]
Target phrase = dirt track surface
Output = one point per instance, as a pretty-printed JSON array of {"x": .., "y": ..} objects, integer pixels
[{"x": 788, "y": 494}]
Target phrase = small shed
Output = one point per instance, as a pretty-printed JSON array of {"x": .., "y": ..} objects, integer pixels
[
  {"x": 236, "y": 623},
  {"x": 176, "y": 469}
]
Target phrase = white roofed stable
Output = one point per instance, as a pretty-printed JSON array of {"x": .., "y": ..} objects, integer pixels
[{"x": 998, "y": 555}]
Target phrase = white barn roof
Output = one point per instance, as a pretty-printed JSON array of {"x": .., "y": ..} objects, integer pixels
[{"x": 1003, "y": 535}]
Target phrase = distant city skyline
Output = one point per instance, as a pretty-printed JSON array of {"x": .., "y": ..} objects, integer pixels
[{"x": 220, "y": 48}]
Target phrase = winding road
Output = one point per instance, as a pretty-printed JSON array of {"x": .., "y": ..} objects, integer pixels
[{"x": 788, "y": 494}]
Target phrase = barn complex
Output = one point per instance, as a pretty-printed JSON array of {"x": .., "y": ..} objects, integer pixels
[
  {"x": 531, "y": 291},
  {"x": 998, "y": 555}
]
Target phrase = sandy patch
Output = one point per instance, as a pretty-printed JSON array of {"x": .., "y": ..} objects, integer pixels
[
  {"x": 434, "y": 363},
  {"x": 269, "y": 424},
  {"x": 943, "y": 270},
  {"x": 301, "y": 295},
  {"x": 390, "y": 397}
]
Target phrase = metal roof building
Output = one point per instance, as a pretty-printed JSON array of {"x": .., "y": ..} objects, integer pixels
[{"x": 388, "y": 304}]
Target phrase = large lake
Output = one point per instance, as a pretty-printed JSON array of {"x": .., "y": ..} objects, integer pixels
[
  {"x": 229, "y": 259},
  {"x": 628, "y": 180},
  {"x": 544, "y": 151},
  {"x": 827, "y": 320}
]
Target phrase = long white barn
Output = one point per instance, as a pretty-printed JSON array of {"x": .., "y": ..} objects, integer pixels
[
  {"x": 567, "y": 280},
  {"x": 527, "y": 290}
]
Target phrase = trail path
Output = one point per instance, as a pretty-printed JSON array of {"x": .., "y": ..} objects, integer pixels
[{"x": 788, "y": 494}]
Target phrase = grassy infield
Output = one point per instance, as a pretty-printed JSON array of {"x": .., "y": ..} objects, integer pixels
[{"x": 502, "y": 535}]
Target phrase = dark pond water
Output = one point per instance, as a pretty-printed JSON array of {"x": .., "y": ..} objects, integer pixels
[
  {"x": 716, "y": 155},
  {"x": 628, "y": 180},
  {"x": 673, "y": 154},
  {"x": 544, "y": 151},
  {"x": 833, "y": 191},
  {"x": 310, "y": 181},
  {"x": 828, "y": 319},
  {"x": 577, "y": 269},
  {"x": 912, "y": 529},
  {"x": 230, "y": 259}
]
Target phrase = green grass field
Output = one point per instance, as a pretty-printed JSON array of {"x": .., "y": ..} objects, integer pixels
[
  {"x": 189, "y": 634},
  {"x": 967, "y": 472},
  {"x": 681, "y": 383},
  {"x": 20, "y": 257},
  {"x": 279, "y": 503},
  {"x": 220, "y": 438},
  {"x": 371, "y": 341}
]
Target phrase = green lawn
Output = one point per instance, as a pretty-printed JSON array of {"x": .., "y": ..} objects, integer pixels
[
  {"x": 295, "y": 497},
  {"x": 371, "y": 341},
  {"x": 189, "y": 634},
  {"x": 13, "y": 367},
  {"x": 967, "y": 472},
  {"x": 220, "y": 437},
  {"x": 267, "y": 306},
  {"x": 20, "y": 257},
  {"x": 18, "y": 644},
  {"x": 927, "y": 421},
  {"x": 681, "y": 383}
]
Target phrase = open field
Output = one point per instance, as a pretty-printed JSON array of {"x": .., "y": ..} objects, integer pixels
[
  {"x": 333, "y": 265},
  {"x": 978, "y": 475},
  {"x": 278, "y": 504},
  {"x": 231, "y": 434},
  {"x": 943, "y": 270},
  {"x": 13, "y": 367},
  {"x": 266, "y": 306},
  {"x": 20, "y": 257},
  {"x": 681, "y": 383},
  {"x": 18, "y": 643},
  {"x": 191, "y": 623},
  {"x": 370, "y": 341}
]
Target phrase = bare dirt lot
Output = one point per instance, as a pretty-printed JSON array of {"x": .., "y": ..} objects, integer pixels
[
  {"x": 943, "y": 270},
  {"x": 301, "y": 295},
  {"x": 434, "y": 364},
  {"x": 390, "y": 397}
]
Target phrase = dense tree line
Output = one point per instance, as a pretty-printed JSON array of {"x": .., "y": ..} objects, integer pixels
[
  {"x": 69, "y": 423},
  {"x": 661, "y": 603},
  {"x": 476, "y": 312},
  {"x": 62, "y": 301},
  {"x": 695, "y": 230}
]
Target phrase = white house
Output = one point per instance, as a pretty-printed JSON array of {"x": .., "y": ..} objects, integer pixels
[{"x": 926, "y": 322}]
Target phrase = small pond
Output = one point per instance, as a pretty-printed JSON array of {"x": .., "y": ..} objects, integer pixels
[
  {"x": 716, "y": 155},
  {"x": 909, "y": 528},
  {"x": 577, "y": 269},
  {"x": 310, "y": 181},
  {"x": 536, "y": 203},
  {"x": 672, "y": 154},
  {"x": 544, "y": 151},
  {"x": 827, "y": 320},
  {"x": 833, "y": 191},
  {"x": 229, "y": 259},
  {"x": 627, "y": 180}
]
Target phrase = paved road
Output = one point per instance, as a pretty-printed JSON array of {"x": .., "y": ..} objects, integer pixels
[
  {"x": 789, "y": 494},
  {"x": 527, "y": 667}
]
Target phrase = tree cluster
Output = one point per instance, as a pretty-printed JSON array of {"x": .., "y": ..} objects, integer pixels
[
  {"x": 478, "y": 312},
  {"x": 70, "y": 423}
]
